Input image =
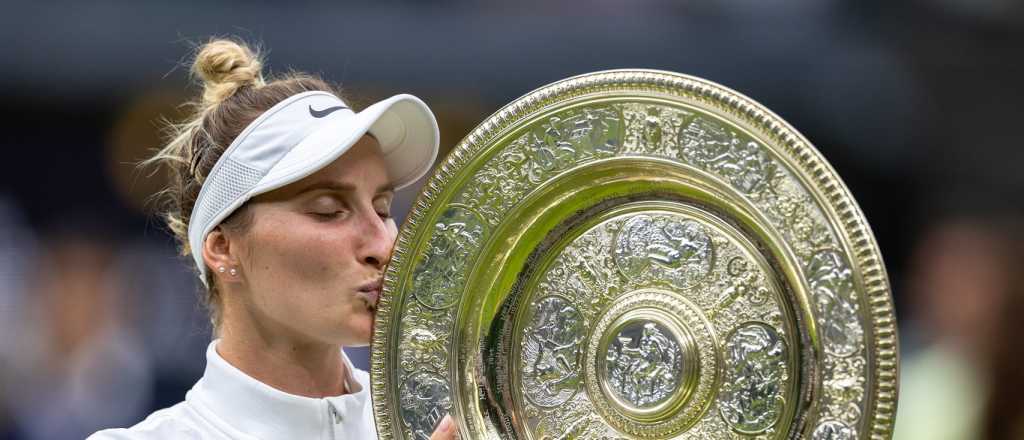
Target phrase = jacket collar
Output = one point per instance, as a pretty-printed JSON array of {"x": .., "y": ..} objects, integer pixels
[{"x": 255, "y": 408}]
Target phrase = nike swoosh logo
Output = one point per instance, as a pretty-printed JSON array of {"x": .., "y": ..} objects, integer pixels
[{"x": 324, "y": 112}]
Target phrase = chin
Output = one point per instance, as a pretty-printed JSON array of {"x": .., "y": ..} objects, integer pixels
[{"x": 358, "y": 337}]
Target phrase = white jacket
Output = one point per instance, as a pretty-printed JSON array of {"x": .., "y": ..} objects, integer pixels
[{"x": 228, "y": 404}]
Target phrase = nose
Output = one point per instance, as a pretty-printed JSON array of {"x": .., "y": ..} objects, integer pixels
[{"x": 377, "y": 240}]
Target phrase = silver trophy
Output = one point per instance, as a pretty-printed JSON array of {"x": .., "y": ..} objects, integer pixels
[{"x": 636, "y": 254}]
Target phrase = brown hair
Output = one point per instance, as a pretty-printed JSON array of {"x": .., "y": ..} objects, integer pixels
[{"x": 234, "y": 94}]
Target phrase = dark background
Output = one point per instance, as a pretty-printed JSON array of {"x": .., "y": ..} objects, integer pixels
[{"x": 917, "y": 104}]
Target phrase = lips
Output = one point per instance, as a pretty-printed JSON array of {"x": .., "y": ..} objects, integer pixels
[{"x": 371, "y": 293}]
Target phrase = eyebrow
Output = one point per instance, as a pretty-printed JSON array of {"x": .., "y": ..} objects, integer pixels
[{"x": 340, "y": 187}]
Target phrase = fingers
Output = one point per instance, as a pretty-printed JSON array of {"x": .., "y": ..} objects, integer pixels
[{"x": 445, "y": 430}]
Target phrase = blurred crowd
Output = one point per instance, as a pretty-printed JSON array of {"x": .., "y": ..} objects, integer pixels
[
  {"x": 95, "y": 330},
  {"x": 916, "y": 103}
]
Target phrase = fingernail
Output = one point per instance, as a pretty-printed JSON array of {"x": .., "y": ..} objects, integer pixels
[{"x": 446, "y": 423}]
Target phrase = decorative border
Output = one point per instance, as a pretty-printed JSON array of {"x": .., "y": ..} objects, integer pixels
[{"x": 824, "y": 183}]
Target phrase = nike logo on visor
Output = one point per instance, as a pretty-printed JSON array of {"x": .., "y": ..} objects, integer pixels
[{"x": 324, "y": 112}]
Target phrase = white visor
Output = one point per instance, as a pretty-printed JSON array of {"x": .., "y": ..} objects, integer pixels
[{"x": 299, "y": 136}]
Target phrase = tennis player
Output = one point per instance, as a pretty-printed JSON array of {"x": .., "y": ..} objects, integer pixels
[{"x": 281, "y": 193}]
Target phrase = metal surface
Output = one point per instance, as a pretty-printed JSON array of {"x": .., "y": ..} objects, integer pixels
[{"x": 635, "y": 254}]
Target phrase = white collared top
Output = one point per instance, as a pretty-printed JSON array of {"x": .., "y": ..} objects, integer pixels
[{"x": 228, "y": 404}]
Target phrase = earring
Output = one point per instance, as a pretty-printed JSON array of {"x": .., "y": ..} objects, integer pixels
[
  {"x": 233, "y": 272},
  {"x": 220, "y": 269}
]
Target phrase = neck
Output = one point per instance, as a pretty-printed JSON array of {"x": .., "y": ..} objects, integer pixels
[{"x": 302, "y": 368}]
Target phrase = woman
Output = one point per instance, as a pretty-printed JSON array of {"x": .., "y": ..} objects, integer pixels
[{"x": 281, "y": 194}]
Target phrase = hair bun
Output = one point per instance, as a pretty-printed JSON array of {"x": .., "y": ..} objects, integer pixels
[{"x": 225, "y": 66}]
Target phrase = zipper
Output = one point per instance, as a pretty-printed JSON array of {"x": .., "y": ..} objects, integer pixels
[{"x": 333, "y": 417}]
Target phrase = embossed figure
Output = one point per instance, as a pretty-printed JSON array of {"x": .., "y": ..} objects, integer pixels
[
  {"x": 456, "y": 238},
  {"x": 828, "y": 270},
  {"x": 452, "y": 242},
  {"x": 664, "y": 248},
  {"x": 551, "y": 349},
  {"x": 751, "y": 167},
  {"x": 595, "y": 133},
  {"x": 541, "y": 158},
  {"x": 499, "y": 184},
  {"x": 707, "y": 144},
  {"x": 564, "y": 141},
  {"x": 832, "y": 283},
  {"x": 687, "y": 243},
  {"x": 711, "y": 146},
  {"x": 425, "y": 400},
  {"x": 647, "y": 371},
  {"x": 755, "y": 355},
  {"x": 652, "y": 128}
]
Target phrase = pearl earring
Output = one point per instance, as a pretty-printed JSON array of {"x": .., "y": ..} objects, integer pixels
[
  {"x": 220, "y": 269},
  {"x": 233, "y": 272}
]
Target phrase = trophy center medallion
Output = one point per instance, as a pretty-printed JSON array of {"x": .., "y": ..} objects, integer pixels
[
  {"x": 652, "y": 368},
  {"x": 643, "y": 362}
]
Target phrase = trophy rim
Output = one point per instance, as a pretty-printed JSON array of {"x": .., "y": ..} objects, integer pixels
[{"x": 822, "y": 181}]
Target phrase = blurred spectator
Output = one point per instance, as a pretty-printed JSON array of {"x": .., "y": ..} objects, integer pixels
[
  {"x": 78, "y": 367},
  {"x": 962, "y": 379}
]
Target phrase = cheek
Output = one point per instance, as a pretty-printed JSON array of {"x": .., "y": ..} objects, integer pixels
[{"x": 298, "y": 254}]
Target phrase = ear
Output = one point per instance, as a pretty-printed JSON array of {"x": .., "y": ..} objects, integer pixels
[{"x": 219, "y": 253}]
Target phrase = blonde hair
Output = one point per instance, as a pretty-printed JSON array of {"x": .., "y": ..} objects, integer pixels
[{"x": 234, "y": 94}]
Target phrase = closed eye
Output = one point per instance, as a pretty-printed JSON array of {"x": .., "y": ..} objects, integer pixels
[{"x": 327, "y": 215}]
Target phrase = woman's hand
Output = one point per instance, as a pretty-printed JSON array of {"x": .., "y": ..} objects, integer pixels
[{"x": 445, "y": 430}]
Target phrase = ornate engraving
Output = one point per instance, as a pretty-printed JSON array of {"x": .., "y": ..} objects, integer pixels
[
  {"x": 586, "y": 272},
  {"x": 713, "y": 147},
  {"x": 741, "y": 283},
  {"x": 792, "y": 211},
  {"x": 831, "y": 281},
  {"x": 499, "y": 184},
  {"x": 558, "y": 143},
  {"x": 425, "y": 336},
  {"x": 833, "y": 430},
  {"x": 425, "y": 399},
  {"x": 778, "y": 175},
  {"x": 564, "y": 141},
  {"x": 551, "y": 351},
  {"x": 441, "y": 275},
  {"x": 844, "y": 383},
  {"x": 752, "y": 398},
  {"x": 423, "y": 348},
  {"x": 664, "y": 248},
  {"x": 650, "y": 129},
  {"x": 644, "y": 363}
]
